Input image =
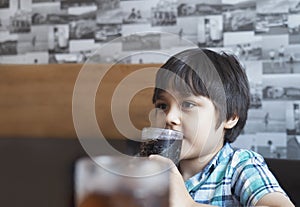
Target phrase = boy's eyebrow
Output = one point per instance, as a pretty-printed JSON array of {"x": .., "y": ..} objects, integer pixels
[
  {"x": 160, "y": 95},
  {"x": 164, "y": 95}
]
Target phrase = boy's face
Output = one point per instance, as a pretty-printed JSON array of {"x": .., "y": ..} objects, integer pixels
[{"x": 197, "y": 118}]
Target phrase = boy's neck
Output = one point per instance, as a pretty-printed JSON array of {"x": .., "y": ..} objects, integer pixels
[{"x": 191, "y": 167}]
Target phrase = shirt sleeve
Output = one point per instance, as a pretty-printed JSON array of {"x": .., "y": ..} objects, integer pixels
[{"x": 252, "y": 179}]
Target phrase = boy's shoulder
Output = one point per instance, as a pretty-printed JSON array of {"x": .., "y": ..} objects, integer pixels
[
  {"x": 246, "y": 157},
  {"x": 238, "y": 154},
  {"x": 232, "y": 160}
]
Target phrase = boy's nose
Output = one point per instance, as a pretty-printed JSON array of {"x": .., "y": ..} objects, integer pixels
[{"x": 173, "y": 117}]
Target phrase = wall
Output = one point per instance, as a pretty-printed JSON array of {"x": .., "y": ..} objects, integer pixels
[{"x": 105, "y": 31}]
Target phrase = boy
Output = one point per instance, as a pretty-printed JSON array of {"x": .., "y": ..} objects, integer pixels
[{"x": 206, "y": 96}]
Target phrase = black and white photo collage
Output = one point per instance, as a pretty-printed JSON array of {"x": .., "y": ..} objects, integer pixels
[{"x": 263, "y": 34}]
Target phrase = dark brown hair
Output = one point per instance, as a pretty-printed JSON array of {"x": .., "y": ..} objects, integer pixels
[{"x": 217, "y": 76}]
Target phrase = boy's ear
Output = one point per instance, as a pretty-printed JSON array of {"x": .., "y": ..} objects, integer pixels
[{"x": 229, "y": 124}]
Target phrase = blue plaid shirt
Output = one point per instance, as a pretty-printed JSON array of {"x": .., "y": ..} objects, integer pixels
[{"x": 234, "y": 177}]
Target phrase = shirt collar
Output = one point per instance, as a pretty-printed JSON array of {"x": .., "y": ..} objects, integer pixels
[{"x": 222, "y": 156}]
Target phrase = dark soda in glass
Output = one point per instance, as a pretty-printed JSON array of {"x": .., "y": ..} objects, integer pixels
[{"x": 164, "y": 142}]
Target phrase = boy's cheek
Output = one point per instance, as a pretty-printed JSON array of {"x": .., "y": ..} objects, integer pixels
[{"x": 157, "y": 118}]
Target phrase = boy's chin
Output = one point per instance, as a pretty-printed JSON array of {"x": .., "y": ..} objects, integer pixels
[{"x": 184, "y": 155}]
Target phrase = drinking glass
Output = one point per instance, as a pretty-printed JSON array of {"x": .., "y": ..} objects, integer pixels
[
  {"x": 165, "y": 142},
  {"x": 121, "y": 181}
]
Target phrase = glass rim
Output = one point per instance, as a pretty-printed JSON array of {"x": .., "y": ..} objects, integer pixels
[
  {"x": 125, "y": 166},
  {"x": 161, "y": 133}
]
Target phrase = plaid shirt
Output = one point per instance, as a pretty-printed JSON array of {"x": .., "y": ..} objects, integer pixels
[{"x": 234, "y": 177}]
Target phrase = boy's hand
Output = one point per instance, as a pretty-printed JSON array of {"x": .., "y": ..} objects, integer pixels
[{"x": 178, "y": 193}]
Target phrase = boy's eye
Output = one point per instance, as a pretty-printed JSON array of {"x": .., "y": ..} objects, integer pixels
[
  {"x": 161, "y": 106},
  {"x": 187, "y": 105}
]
